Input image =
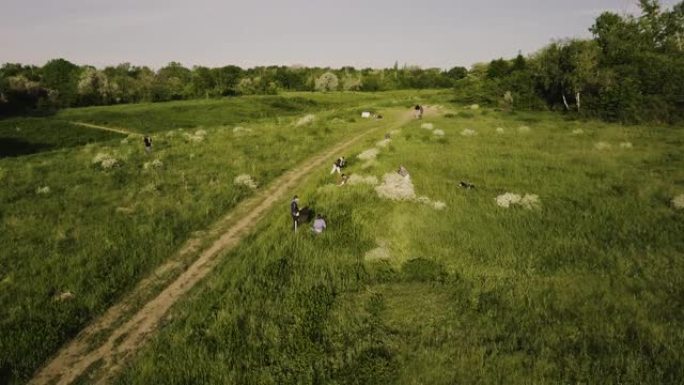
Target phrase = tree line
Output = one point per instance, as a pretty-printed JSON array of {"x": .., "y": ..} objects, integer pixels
[
  {"x": 632, "y": 70},
  {"x": 60, "y": 83}
]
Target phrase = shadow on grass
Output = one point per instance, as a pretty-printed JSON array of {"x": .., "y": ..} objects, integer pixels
[{"x": 13, "y": 147}]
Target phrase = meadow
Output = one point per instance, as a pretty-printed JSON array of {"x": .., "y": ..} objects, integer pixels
[
  {"x": 578, "y": 280},
  {"x": 87, "y": 213},
  {"x": 562, "y": 265}
]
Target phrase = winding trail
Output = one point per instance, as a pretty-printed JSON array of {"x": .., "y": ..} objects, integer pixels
[
  {"x": 103, "y": 128},
  {"x": 101, "y": 348}
]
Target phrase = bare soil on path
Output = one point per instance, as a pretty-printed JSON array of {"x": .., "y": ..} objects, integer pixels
[
  {"x": 119, "y": 130},
  {"x": 101, "y": 348}
]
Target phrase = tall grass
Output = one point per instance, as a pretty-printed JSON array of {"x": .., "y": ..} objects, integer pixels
[
  {"x": 588, "y": 289},
  {"x": 99, "y": 229}
]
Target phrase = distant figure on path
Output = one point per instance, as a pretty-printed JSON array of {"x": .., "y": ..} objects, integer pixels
[
  {"x": 418, "y": 111},
  {"x": 148, "y": 144},
  {"x": 319, "y": 224},
  {"x": 294, "y": 211}
]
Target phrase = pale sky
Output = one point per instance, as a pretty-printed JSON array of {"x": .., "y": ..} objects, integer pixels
[{"x": 361, "y": 33}]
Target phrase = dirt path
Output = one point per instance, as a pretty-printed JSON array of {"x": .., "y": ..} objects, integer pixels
[
  {"x": 103, "y": 128},
  {"x": 103, "y": 347}
]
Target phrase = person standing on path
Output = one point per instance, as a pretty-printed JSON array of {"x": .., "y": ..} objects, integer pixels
[
  {"x": 294, "y": 211},
  {"x": 148, "y": 144}
]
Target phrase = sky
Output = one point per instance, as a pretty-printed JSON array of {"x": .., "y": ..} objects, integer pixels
[{"x": 334, "y": 33}]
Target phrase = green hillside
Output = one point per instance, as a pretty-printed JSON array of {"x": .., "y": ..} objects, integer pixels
[{"x": 563, "y": 264}]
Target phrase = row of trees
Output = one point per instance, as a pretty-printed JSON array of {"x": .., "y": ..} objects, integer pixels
[
  {"x": 60, "y": 84},
  {"x": 631, "y": 71}
]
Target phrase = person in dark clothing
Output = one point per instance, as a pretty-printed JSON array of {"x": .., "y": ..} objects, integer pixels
[
  {"x": 294, "y": 211},
  {"x": 148, "y": 144},
  {"x": 418, "y": 111}
]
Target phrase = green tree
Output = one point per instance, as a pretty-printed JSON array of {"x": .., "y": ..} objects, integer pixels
[{"x": 62, "y": 76}]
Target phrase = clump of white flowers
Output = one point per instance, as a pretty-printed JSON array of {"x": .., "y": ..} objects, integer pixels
[
  {"x": 153, "y": 164},
  {"x": 524, "y": 129},
  {"x": 603, "y": 146},
  {"x": 678, "y": 202},
  {"x": 396, "y": 187},
  {"x": 369, "y": 154},
  {"x": 383, "y": 143},
  {"x": 578, "y": 131},
  {"x": 196, "y": 137},
  {"x": 105, "y": 161},
  {"x": 305, "y": 120},
  {"x": 438, "y": 132},
  {"x": 241, "y": 130},
  {"x": 626, "y": 145},
  {"x": 43, "y": 190},
  {"x": 468, "y": 132},
  {"x": 528, "y": 201},
  {"x": 427, "y": 126},
  {"x": 245, "y": 180}
]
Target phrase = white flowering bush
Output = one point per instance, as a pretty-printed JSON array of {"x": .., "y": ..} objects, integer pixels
[
  {"x": 153, "y": 164},
  {"x": 396, "y": 187},
  {"x": 528, "y": 201},
  {"x": 468, "y": 132},
  {"x": 475, "y": 107},
  {"x": 327, "y": 82},
  {"x": 578, "y": 131},
  {"x": 241, "y": 130},
  {"x": 105, "y": 161},
  {"x": 437, "y": 205},
  {"x": 626, "y": 145},
  {"x": 305, "y": 120},
  {"x": 378, "y": 254},
  {"x": 500, "y": 130},
  {"x": 245, "y": 180},
  {"x": 383, "y": 143},
  {"x": 678, "y": 202},
  {"x": 369, "y": 154},
  {"x": 427, "y": 126},
  {"x": 524, "y": 129},
  {"x": 438, "y": 132},
  {"x": 196, "y": 137},
  {"x": 603, "y": 146},
  {"x": 43, "y": 190}
]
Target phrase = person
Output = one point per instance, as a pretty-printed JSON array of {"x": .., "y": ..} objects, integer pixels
[
  {"x": 388, "y": 136},
  {"x": 337, "y": 166},
  {"x": 418, "y": 111},
  {"x": 343, "y": 162},
  {"x": 403, "y": 171},
  {"x": 148, "y": 144},
  {"x": 294, "y": 211},
  {"x": 319, "y": 224},
  {"x": 343, "y": 180}
]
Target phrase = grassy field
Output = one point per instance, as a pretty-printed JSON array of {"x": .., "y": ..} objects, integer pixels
[
  {"x": 80, "y": 224},
  {"x": 582, "y": 285},
  {"x": 579, "y": 280}
]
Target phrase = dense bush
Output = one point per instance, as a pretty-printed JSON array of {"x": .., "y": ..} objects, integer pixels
[
  {"x": 59, "y": 83},
  {"x": 631, "y": 71}
]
